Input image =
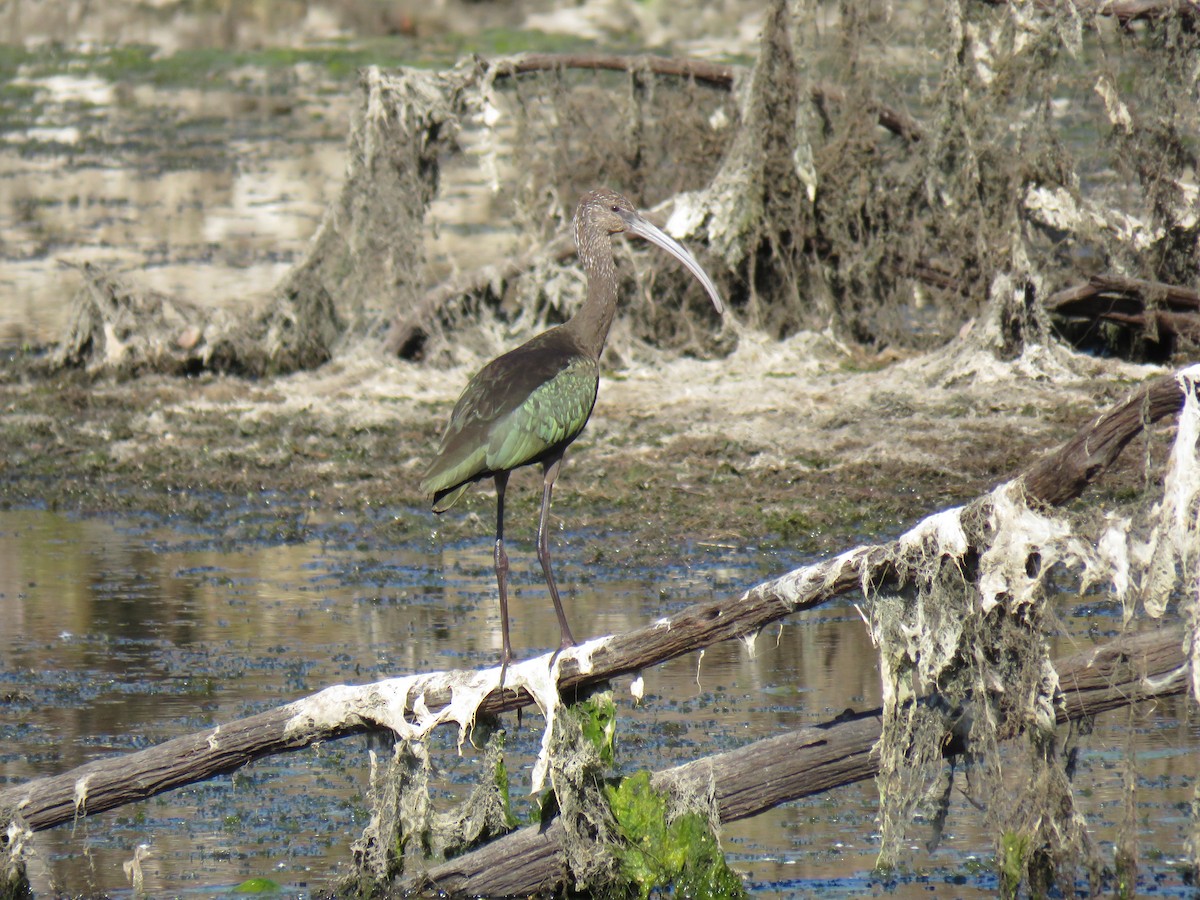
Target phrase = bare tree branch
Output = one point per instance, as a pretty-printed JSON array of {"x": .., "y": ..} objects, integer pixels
[
  {"x": 1061, "y": 476},
  {"x": 1136, "y": 294},
  {"x": 715, "y": 74},
  {"x": 761, "y": 775}
]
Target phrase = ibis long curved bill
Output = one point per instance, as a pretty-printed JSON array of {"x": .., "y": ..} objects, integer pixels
[{"x": 635, "y": 224}]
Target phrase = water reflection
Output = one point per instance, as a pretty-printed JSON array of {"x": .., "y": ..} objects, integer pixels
[
  {"x": 208, "y": 194},
  {"x": 120, "y": 634}
]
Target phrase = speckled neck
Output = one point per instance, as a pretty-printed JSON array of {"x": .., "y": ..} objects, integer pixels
[{"x": 591, "y": 322}]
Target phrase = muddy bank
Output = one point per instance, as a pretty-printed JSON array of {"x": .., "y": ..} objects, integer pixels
[{"x": 803, "y": 443}]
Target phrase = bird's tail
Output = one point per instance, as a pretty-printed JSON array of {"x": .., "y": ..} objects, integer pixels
[{"x": 443, "y": 500}]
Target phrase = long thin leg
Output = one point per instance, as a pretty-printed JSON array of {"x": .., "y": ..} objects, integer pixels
[
  {"x": 501, "y": 559},
  {"x": 549, "y": 474}
]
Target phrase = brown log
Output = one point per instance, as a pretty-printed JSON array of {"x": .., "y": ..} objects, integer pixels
[
  {"x": 754, "y": 778},
  {"x": 1161, "y": 324},
  {"x": 1059, "y": 477},
  {"x": 107, "y": 783},
  {"x": 1158, "y": 313},
  {"x": 1063, "y": 475},
  {"x": 1126, "y": 11},
  {"x": 1119, "y": 293}
]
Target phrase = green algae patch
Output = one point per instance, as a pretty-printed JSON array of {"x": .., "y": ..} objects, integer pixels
[
  {"x": 622, "y": 837},
  {"x": 598, "y": 721},
  {"x": 258, "y": 886},
  {"x": 680, "y": 854},
  {"x": 1014, "y": 851},
  {"x": 500, "y": 782}
]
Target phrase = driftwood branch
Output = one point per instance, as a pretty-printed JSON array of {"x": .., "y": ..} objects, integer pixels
[
  {"x": 105, "y": 784},
  {"x": 715, "y": 74},
  {"x": 761, "y": 775},
  {"x": 1063, "y": 475},
  {"x": 1150, "y": 307},
  {"x": 1127, "y": 11},
  {"x": 1161, "y": 325},
  {"x": 1123, "y": 294},
  {"x": 341, "y": 711}
]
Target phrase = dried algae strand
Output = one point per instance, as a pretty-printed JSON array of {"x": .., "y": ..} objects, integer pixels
[
  {"x": 965, "y": 663},
  {"x": 964, "y": 655}
]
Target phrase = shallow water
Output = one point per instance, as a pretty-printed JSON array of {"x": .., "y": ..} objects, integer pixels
[
  {"x": 120, "y": 633},
  {"x": 123, "y": 633}
]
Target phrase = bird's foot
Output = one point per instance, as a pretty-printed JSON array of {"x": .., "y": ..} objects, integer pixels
[{"x": 567, "y": 643}]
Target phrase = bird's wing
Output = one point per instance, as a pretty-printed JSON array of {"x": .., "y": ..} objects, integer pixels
[
  {"x": 554, "y": 413},
  {"x": 509, "y": 414}
]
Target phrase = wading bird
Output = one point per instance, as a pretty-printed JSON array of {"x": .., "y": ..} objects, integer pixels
[{"x": 528, "y": 405}]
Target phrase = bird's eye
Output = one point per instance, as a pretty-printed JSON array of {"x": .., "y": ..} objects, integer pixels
[{"x": 616, "y": 209}]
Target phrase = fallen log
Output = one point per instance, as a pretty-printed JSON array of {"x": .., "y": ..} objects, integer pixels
[
  {"x": 1161, "y": 327},
  {"x": 761, "y": 775},
  {"x": 1123, "y": 294},
  {"x": 1152, "y": 310},
  {"x": 342, "y": 710}
]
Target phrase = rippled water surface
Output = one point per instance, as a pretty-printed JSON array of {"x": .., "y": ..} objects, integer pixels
[{"x": 122, "y": 633}]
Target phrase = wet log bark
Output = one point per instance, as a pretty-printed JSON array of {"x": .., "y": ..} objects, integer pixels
[
  {"x": 1166, "y": 327},
  {"x": 1061, "y": 476},
  {"x": 1119, "y": 293},
  {"x": 115, "y": 781},
  {"x": 754, "y": 778},
  {"x": 341, "y": 711},
  {"x": 1154, "y": 310},
  {"x": 716, "y": 74}
]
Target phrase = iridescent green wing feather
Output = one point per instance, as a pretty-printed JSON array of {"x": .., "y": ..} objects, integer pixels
[
  {"x": 554, "y": 413},
  {"x": 514, "y": 409}
]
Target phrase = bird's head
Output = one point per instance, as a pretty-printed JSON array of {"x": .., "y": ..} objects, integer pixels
[{"x": 603, "y": 213}]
